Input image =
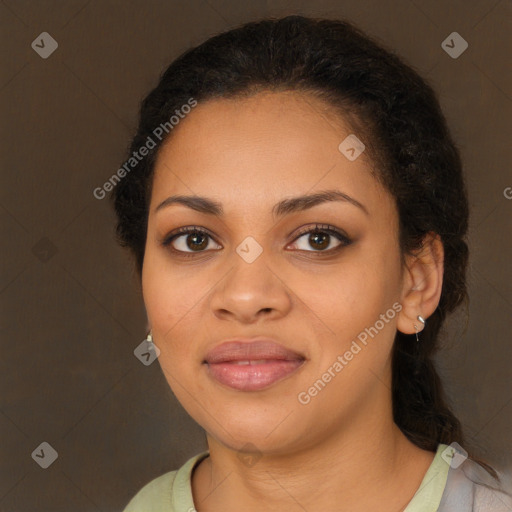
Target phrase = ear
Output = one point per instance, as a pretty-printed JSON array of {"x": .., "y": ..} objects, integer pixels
[{"x": 422, "y": 284}]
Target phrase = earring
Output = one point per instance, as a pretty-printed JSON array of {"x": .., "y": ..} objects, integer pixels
[
  {"x": 422, "y": 320},
  {"x": 149, "y": 340}
]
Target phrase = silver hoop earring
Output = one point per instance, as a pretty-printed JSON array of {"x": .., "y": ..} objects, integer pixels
[{"x": 422, "y": 320}]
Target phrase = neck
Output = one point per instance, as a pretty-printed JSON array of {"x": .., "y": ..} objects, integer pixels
[{"x": 368, "y": 465}]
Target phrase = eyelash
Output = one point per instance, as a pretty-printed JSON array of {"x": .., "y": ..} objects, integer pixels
[{"x": 318, "y": 228}]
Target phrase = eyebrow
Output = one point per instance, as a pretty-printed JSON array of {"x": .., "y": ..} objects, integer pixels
[{"x": 284, "y": 207}]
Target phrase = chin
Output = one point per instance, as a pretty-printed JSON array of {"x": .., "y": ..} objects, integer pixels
[{"x": 267, "y": 436}]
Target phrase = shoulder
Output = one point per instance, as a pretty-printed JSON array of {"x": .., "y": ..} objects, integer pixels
[
  {"x": 168, "y": 492},
  {"x": 491, "y": 499},
  {"x": 155, "y": 496},
  {"x": 470, "y": 488}
]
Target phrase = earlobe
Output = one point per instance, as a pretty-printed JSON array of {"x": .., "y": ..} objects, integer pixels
[{"x": 422, "y": 284}]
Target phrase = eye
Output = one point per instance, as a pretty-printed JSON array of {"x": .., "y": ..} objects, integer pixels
[
  {"x": 321, "y": 237},
  {"x": 194, "y": 238}
]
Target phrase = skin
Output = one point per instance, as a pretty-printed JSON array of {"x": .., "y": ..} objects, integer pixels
[{"x": 342, "y": 451}]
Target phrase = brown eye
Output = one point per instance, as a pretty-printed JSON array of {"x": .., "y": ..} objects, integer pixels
[
  {"x": 321, "y": 238},
  {"x": 189, "y": 239}
]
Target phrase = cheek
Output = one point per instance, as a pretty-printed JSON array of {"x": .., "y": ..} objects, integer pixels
[
  {"x": 348, "y": 296},
  {"x": 350, "y": 301},
  {"x": 172, "y": 299},
  {"x": 170, "y": 291}
]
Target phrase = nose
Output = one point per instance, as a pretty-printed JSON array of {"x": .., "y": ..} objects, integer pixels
[{"x": 250, "y": 291}]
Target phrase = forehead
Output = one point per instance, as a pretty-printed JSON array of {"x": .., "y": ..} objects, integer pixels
[{"x": 260, "y": 149}]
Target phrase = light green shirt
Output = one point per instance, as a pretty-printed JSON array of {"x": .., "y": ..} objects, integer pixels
[{"x": 172, "y": 491}]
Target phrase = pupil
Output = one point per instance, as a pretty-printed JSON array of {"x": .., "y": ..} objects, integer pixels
[
  {"x": 315, "y": 236},
  {"x": 195, "y": 236}
]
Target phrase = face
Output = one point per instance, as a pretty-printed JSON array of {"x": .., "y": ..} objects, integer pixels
[{"x": 261, "y": 271}]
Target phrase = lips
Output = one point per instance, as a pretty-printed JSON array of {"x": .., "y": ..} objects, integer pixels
[
  {"x": 261, "y": 349},
  {"x": 251, "y": 365}
]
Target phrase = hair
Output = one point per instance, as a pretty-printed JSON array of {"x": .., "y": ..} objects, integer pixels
[{"x": 396, "y": 114}]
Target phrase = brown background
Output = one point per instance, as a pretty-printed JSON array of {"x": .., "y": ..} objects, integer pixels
[{"x": 72, "y": 312}]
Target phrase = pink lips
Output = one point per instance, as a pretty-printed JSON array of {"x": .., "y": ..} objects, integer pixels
[{"x": 251, "y": 365}]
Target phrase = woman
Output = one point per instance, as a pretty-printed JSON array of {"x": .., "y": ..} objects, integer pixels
[{"x": 298, "y": 220}]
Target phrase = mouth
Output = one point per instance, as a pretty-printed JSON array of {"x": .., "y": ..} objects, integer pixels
[{"x": 251, "y": 365}]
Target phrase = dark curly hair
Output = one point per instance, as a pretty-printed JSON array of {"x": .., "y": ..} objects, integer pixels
[{"x": 412, "y": 153}]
